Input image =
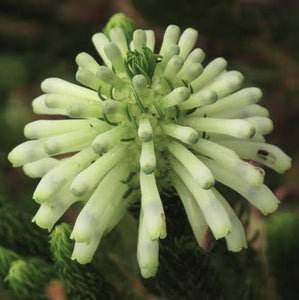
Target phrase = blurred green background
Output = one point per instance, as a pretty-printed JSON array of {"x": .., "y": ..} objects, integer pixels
[{"x": 40, "y": 39}]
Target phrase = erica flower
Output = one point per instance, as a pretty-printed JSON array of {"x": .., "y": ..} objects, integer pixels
[{"x": 147, "y": 121}]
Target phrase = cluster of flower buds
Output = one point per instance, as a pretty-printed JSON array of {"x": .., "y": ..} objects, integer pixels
[{"x": 143, "y": 123}]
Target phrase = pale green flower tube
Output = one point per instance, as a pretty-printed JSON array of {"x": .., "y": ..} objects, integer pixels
[
  {"x": 214, "y": 213},
  {"x": 262, "y": 125},
  {"x": 114, "y": 55},
  {"x": 84, "y": 60},
  {"x": 269, "y": 155},
  {"x": 139, "y": 39},
  {"x": 39, "y": 168},
  {"x": 230, "y": 161},
  {"x": 112, "y": 107},
  {"x": 236, "y": 100},
  {"x": 151, "y": 205},
  {"x": 194, "y": 58},
  {"x": 46, "y": 128},
  {"x": 171, "y": 37},
  {"x": 107, "y": 76},
  {"x": 87, "y": 78},
  {"x": 147, "y": 157},
  {"x": 107, "y": 140},
  {"x": 140, "y": 83},
  {"x": 39, "y": 107},
  {"x": 187, "y": 41},
  {"x": 236, "y": 127},
  {"x": 210, "y": 72},
  {"x": 169, "y": 53},
  {"x": 150, "y": 39},
  {"x": 260, "y": 196},
  {"x": 117, "y": 36},
  {"x": 200, "y": 173},
  {"x": 145, "y": 130},
  {"x": 226, "y": 83},
  {"x": 88, "y": 179},
  {"x": 89, "y": 218},
  {"x": 236, "y": 239},
  {"x": 53, "y": 181},
  {"x": 64, "y": 101},
  {"x": 197, "y": 55},
  {"x": 199, "y": 99},
  {"x": 51, "y": 211},
  {"x": 100, "y": 41},
  {"x": 195, "y": 216},
  {"x": 84, "y": 110},
  {"x": 147, "y": 250},
  {"x": 60, "y": 86},
  {"x": 177, "y": 96},
  {"x": 27, "y": 152},
  {"x": 173, "y": 67},
  {"x": 84, "y": 252},
  {"x": 244, "y": 112},
  {"x": 70, "y": 141},
  {"x": 188, "y": 74},
  {"x": 183, "y": 133}
]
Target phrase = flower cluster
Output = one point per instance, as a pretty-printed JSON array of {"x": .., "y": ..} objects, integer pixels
[{"x": 144, "y": 123}]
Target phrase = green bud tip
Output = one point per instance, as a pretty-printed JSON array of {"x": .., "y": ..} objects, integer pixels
[{"x": 123, "y": 22}]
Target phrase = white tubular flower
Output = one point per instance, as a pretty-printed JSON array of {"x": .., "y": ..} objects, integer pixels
[
  {"x": 144, "y": 113},
  {"x": 195, "y": 216},
  {"x": 147, "y": 250}
]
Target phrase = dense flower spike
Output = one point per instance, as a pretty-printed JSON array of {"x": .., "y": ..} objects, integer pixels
[{"x": 146, "y": 121}]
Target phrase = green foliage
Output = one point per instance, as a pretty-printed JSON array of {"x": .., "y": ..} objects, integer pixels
[
  {"x": 184, "y": 271},
  {"x": 123, "y": 22},
  {"x": 28, "y": 278},
  {"x": 81, "y": 281},
  {"x": 29, "y": 268},
  {"x": 7, "y": 257},
  {"x": 241, "y": 274},
  {"x": 282, "y": 253},
  {"x": 18, "y": 233}
]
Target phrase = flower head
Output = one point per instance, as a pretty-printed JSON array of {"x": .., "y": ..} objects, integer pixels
[{"x": 145, "y": 122}]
